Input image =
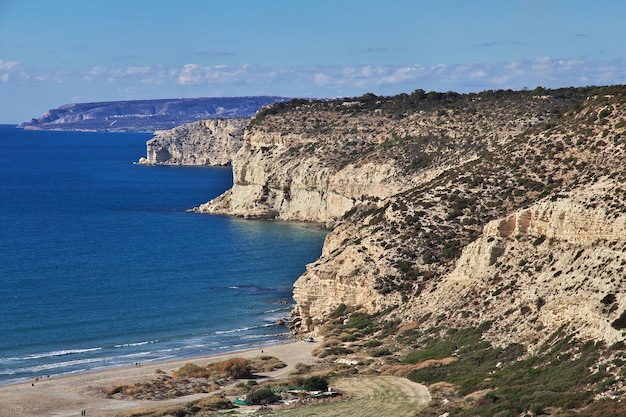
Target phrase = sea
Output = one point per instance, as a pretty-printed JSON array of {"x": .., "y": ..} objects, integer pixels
[{"x": 103, "y": 266}]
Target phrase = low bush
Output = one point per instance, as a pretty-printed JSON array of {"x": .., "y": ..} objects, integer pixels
[
  {"x": 315, "y": 383},
  {"x": 262, "y": 396},
  {"x": 381, "y": 352},
  {"x": 235, "y": 368},
  {"x": 191, "y": 370},
  {"x": 266, "y": 364},
  {"x": 361, "y": 321},
  {"x": 213, "y": 403},
  {"x": 372, "y": 343}
]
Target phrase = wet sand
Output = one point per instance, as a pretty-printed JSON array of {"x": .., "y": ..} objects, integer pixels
[{"x": 67, "y": 396}]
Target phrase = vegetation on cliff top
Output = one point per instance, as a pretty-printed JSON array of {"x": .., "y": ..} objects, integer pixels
[{"x": 404, "y": 104}]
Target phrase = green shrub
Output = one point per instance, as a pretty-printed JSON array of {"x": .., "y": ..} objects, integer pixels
[
  {"x": 620, "y": 322},
  {"x": 539, "y": 240},
  {"x": 262, "y": 396},
  {"x": 435, "y": 350},
  {"x": 348, "y": 338},
  {"x": 372, "y": 343},
  {"x": 338, "y": 351},
  {"x": 360, "y": 321},
  {"x": 339, "y": 311},
  {"x": 315, "y": 383},
  {"x": 381, "y": 352}
]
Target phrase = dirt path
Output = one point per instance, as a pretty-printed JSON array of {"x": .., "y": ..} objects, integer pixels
[{"x": 375, "y": 396}]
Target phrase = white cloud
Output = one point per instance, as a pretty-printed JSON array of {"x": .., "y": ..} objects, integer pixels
[
  {"x": 188, "y": 75},
  {"x": 12, "y": 71},
  {"x": 8, "y": 65},
  {"x": 192, "y": 79},
  {"x": 480, "y": 73},
  {"x": 137, "y": 70},
  {"x": 321, "y": 79}
]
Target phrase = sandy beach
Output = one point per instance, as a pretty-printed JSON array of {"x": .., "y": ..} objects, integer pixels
[{"x": 68, "y": 396}]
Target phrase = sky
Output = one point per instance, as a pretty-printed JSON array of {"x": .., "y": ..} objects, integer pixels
[{"x": 71, "y": 51}]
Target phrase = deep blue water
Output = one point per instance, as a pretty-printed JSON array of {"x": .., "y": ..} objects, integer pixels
[{"x": 101, "y": 265}]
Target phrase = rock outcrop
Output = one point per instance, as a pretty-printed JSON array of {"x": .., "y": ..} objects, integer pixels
[
  {"x": 555, "y": 265},
  {"x": 211, "y": 142}
]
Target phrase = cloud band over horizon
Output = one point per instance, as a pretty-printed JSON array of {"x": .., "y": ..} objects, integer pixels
[{"x": 321, "y": 81}]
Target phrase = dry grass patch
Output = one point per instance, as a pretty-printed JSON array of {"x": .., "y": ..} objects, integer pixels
[
  {"x": 409, "y": 326},
  {"x": 266, "y": 364},
  {"x": 369, "y": 396},
  {"x": 404, "y": 370},
  {"x": 172, "y": 411}
]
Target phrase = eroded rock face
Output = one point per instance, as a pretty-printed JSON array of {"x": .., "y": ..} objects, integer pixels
[
  {"x": 561, "y": 220},
  {"x": 271, "y": 180},
  {"x": 466, "y": 211},
  {"x": 556, "y": 264},
  {"x": 320, "y": 160},
  {"x": 211, "y": 142},
  {"x": 535, "y": 257}
]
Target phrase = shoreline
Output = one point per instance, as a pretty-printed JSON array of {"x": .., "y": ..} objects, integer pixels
[
  {"x": 67, "y": 396},
  {"x": 279, "y": 339}
]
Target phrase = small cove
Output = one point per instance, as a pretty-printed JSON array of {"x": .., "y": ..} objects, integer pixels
[{"x": 102, "y": 266}]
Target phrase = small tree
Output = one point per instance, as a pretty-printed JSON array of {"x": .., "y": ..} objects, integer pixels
[
  {"x": 262, "y": 396},
  {"x": 315, "y": 383}
]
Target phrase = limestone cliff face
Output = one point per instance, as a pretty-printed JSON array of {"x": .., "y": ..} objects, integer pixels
[
  {"x": 274, "y": 178},
  {"x": 321, "y": 159},
  {"x": 554, "y": 265},
  {"x": 529, "y": 237},
  {"x": 208, "y": 142},
  {"x": 344, "y": 274}
]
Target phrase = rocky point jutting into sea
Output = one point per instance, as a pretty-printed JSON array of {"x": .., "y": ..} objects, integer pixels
[
  {"x": 212, "y": 142},
  {"x": 502, "y": 211}
]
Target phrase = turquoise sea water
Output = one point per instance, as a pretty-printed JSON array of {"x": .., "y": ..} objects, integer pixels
[{"x": 101, "y": 265}]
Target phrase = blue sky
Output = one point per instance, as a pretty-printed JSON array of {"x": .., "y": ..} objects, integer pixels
[{"x": 57, "y": 52}]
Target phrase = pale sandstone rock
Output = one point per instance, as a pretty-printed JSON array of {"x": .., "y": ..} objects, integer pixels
[
  {"x": 342, "y": 275},
  {"x": 269, "y": 183},
  {"x": 207, "y": 142},
  {"x": 570, "y": 286}
]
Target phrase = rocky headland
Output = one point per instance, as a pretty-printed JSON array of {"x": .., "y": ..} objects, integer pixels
[
  {"x": 491, "y": 223},
  {"x": 212, "y": 142},
  {"x": 146, "y": 115}
]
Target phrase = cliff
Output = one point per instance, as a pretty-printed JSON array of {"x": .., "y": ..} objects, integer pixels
[
  {"x": 146, "y": 115},
  {"x": 477, "y": 242},
  {"x": 450, "y": 209},
  {"x": 208, "y": 142},
  {"x": 321, "y": 159}
]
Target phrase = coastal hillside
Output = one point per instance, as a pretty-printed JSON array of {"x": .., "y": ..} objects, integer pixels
[
  {"x": 314, "y": 161},
  {"x": 499, "y": 216},
  {"x": 146, "y": 115},
  {"x": 212, "y": 142}
]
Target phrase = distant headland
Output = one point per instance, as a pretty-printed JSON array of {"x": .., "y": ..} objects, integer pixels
[{"x": 146, "y": 115}]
